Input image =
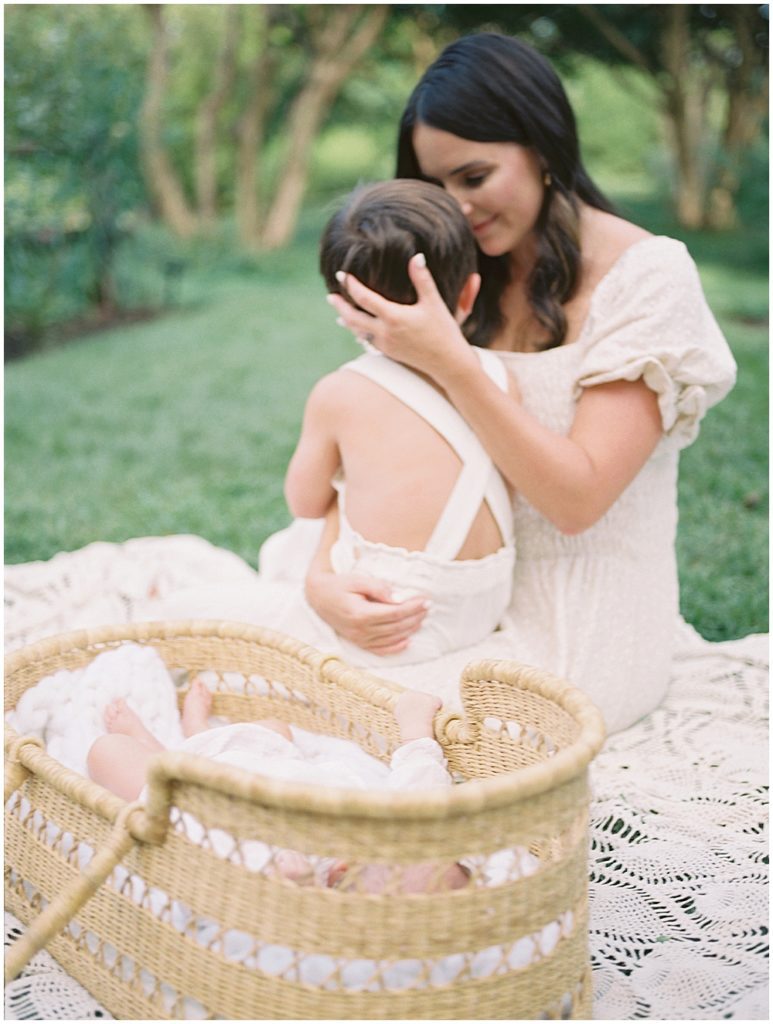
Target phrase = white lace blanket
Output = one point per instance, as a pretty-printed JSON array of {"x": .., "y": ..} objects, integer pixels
[{"x": 679, "y": 905}]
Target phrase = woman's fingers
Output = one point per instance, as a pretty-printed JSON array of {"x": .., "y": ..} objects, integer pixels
[
  {"x": 422, "y": 279},
  {"x": 357, "y": 321},
  {"x": 368, "y": 300}
]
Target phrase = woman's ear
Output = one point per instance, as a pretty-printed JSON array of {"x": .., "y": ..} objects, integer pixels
[{"x": 467, "y": 297}]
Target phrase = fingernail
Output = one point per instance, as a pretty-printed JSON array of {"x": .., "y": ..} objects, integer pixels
[
  {"x": 341, "y": 322},
  {"x": 340, "y": 276},
  {"x": 421, "y": 259},
  {"x": 426, "y": 605},
  {"x": 330, "y": 299}
]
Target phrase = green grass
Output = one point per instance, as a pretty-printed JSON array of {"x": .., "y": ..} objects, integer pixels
[
  {"x": 185, "y": 424},
  {"x": 181, "y": 425}
]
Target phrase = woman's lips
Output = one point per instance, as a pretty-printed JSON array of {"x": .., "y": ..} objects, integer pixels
[{"x": 477, "y": 228}]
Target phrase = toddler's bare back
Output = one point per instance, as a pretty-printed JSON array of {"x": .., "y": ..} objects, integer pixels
[{"x": 399, "y": 471}]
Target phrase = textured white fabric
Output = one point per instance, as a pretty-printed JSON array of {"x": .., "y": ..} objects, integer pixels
[
  {"x": 66, "y": 709},
  {"x": 678, "y": 839},
  {"x": 600, "y": 608},
  {"x": 678, "y": 857}
]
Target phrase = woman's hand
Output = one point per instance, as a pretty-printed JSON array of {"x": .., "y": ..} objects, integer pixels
[
  {"x": 360, "y": 609},
  {"x": 423, "y": 335}
]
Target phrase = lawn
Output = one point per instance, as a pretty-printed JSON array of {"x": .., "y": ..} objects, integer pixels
[{"x": 185, "y": 425}]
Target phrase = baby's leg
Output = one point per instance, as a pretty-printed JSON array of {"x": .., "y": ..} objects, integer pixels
[
  {"x": 119, "y": 760},
  {"x": 196, "y": 708},
  {"x": 119, "y": 763},
  {"x": 414, "y": 714}
]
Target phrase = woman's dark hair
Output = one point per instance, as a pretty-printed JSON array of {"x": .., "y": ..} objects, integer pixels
[
  {"x": 493, "y": 88},
  {"x": 382, "y": 226}
]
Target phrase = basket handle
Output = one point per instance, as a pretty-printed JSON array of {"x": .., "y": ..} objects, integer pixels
[
  {"x": 15, "y": 771},
  {"x": 66, "y": 904}
]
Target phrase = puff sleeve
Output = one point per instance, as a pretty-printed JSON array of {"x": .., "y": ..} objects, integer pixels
[{"x": 649, "y": 319}]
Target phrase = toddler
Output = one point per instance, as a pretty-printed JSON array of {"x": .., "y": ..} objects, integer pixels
[{"x": 421, "y": 505}]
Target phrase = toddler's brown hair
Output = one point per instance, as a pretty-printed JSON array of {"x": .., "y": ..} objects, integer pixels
[{"x": 382, "y": 226}]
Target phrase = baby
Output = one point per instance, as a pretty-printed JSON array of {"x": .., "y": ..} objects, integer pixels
[{"x": 119, "y": 760}]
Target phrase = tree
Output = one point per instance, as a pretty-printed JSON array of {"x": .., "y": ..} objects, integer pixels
[
  {"x": 73, "y": 89},
  {"x": 702, "y": 53},
  {"x": 223, "y": 77},
  {"x": 707, "y": 62},
  {"x": 300, "y": 57},
  {"x": 160, "y": 175},
  {"x": 338, "y": 39}
]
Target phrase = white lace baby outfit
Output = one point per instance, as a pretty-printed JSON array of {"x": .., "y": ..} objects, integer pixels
[
  {"x": 320, "y": 760},
  {"x": 468, "y": 597}
]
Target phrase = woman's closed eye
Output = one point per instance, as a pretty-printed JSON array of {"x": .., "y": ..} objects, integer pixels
[{"x": 474, "y": 180}]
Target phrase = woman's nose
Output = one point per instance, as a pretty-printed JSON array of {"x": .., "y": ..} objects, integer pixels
[{"x": 465, "y": 205}]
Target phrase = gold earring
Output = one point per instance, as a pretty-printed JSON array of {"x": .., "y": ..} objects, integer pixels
[{"x": 547, "y": 179}]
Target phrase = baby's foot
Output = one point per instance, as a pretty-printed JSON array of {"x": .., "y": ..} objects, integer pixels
[
  {"x": 414, "y": 714},
  {"x": 196, "y": 708},
  {"x": 119, "y": 717}
]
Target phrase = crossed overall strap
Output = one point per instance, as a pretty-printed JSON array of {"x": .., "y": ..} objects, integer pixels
[{"x": 479, "y": 480}]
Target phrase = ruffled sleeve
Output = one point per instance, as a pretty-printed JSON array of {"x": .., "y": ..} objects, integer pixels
[{"x": 649, "y": 319}]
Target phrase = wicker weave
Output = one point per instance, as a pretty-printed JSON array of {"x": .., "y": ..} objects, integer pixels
[{"x": 525, "y": 740}]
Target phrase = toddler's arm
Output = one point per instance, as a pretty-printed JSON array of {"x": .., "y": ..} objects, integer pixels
[{"x": 308, "y": 484}]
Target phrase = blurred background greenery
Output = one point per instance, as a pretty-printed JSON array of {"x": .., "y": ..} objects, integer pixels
[{"x": 169, "y": 168}]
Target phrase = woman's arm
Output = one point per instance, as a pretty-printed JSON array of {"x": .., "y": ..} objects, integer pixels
[
  {"x": 358, "y": 607},
  {"x": 571, "y": 480}
]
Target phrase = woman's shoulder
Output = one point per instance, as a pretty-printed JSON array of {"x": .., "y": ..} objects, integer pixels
[{"x": 616, "y": 248}]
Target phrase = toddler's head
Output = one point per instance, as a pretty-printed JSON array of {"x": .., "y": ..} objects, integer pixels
[{"x": 381, "y": 226}]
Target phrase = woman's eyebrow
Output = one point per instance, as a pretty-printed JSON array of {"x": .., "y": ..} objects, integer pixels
[{"x": 466, "y": 167}]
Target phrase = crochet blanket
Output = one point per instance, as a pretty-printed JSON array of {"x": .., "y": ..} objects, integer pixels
[{"x": 678, "y": 858}]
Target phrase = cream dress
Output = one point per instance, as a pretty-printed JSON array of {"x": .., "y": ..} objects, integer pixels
[{"x": 602, "y": 608}]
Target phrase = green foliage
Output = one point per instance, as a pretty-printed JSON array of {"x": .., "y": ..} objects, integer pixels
[
  {"x": 77, "y": 228},
  {"x": 618, "y": 125},
  {"x": 185, "y": 424},
  {"x": 73, "y": 78}
]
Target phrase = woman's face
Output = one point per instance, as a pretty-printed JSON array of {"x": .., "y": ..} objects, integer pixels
[{"x": 498, "y": 185}]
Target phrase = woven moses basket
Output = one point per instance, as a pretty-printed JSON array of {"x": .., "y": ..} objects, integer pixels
[{"x": 156, "y": 922}]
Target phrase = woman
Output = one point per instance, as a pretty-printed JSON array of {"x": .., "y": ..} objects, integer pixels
[{"x": 617, "y": 357}]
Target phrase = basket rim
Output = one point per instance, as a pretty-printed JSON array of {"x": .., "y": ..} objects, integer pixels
[{"x": 474, "y": 795}]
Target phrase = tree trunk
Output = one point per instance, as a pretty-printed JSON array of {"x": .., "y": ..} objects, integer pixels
[
  {"x": 347, "y": 33},
  {"x": 162, "y": 181},
  {"x": 250, "y": 130},
  {"x": 685, "y": 105},
  {"x": 704, "y": 188},
  {"x": 746, "y": 107},
  {"x": 206, "y": 120}
]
